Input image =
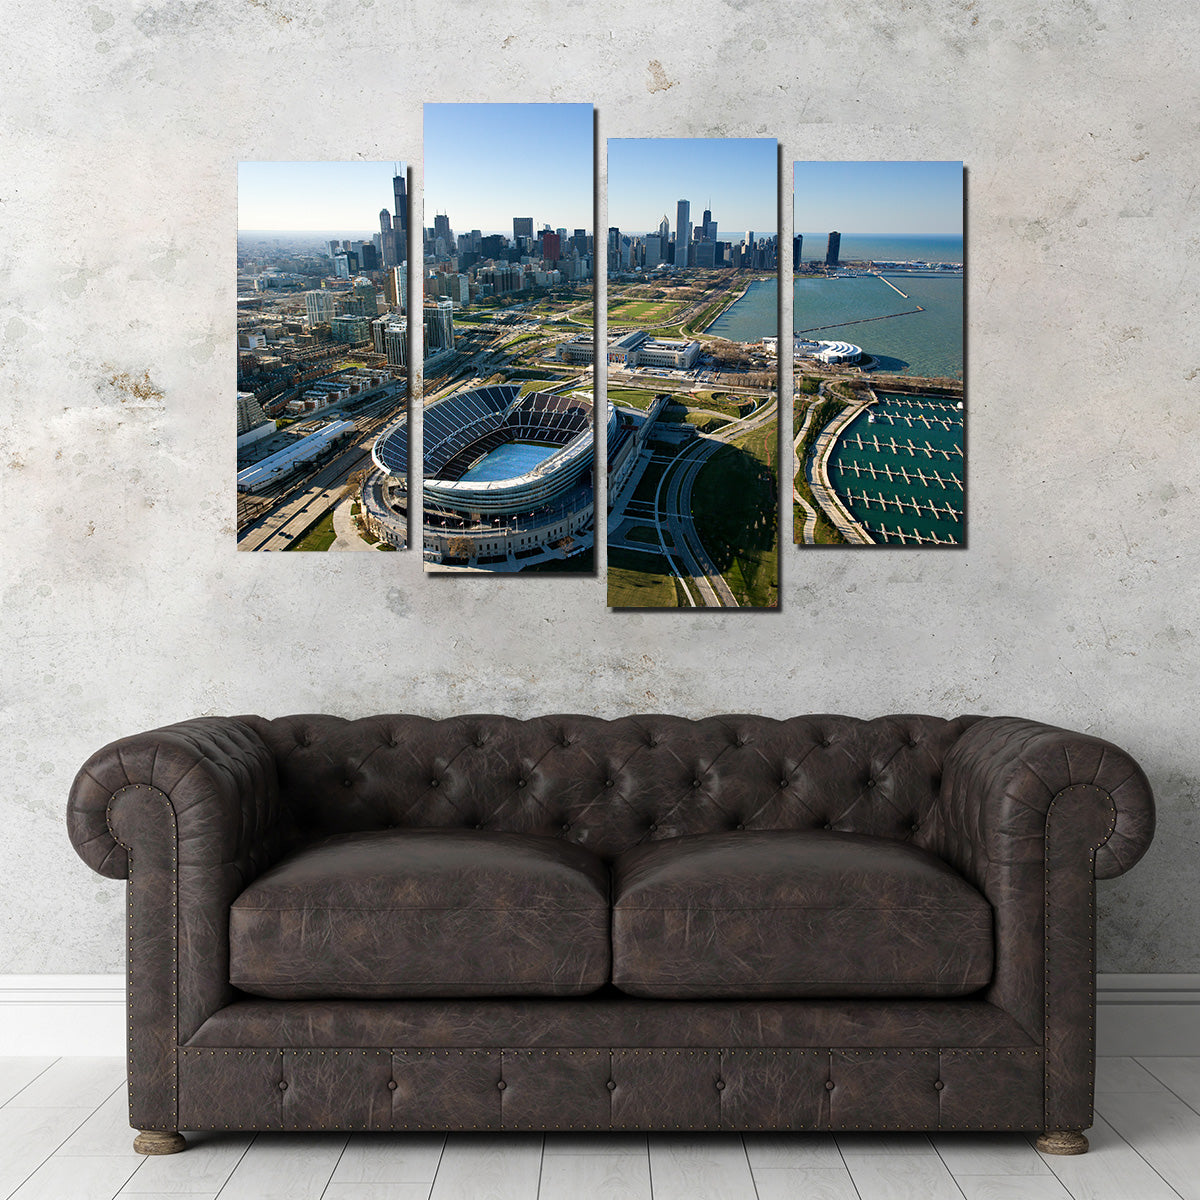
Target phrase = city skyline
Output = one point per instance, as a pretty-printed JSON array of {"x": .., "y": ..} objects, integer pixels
[
  {"x": 487, "y": 163},
  {"x": 315, "y": 197},
  {"x": 906, "y": 199},
  {"x": 737, "y": 179}
]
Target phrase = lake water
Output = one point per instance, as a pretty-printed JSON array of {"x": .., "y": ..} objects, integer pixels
[{"x": 928, "y": 343}]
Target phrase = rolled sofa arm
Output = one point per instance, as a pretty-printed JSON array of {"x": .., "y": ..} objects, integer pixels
[
  {"x": 1032, "y": 816},
  {"x": 218, "y": 775},
  {"x": 1003, "y": 775},
  {"x": 189, "y": 814}
]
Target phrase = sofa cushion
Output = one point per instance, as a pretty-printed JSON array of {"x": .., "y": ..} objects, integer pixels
[
  {"x": 786, "y": 914},
  {"x": 404, "y": 913}
]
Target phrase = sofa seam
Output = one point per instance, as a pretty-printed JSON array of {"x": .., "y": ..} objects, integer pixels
[
  {"x": 1091, "y": 940},
  {"x": 174, "y": 825}
]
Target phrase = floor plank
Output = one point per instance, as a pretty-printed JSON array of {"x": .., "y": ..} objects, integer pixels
[
  {"x": 376, "y": 1191},
  {"x": 284, "y": 1166},
  {"x": 105, "y": 1132},
  {"x": 29, "y": 1136},
  {"x": 1181, "y": 1075},
  {"x": 1110, "y": 1170},
  {"x": 96, "y": 1177},
  {"x": 619, "y": 1144},
  {"x": 902, "y": 1177},
  {"x": 488, "y": 1168},
  {"x": 595, "y": 1176},
  {"x": 892, "y": 1144},
  {"x": 17, "y": 1073},
  {"x": 804, "y": 1183},
  {"x": 808, "y": 1150},
  {"x": 390, "y": 1158},
  {"x": 204, "y": 1167},
  {"x": 988, "y": 1154},
  {"x": 708, "y": 1167},
  {"x": 1124, "y": 1075},
  {"x": 1012, "y": 1187},
  {"x": 72, "y": 1083},
  {"x": 1163, "y": 1130}
]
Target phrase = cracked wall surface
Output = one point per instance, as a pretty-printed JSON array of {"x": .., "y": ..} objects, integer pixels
[{"x": 125, "y": 604}]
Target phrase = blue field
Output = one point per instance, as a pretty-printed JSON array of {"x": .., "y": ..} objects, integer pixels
[{"x": 509, "y": 461}]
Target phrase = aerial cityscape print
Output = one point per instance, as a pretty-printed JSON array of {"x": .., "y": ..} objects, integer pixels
[
  {"x": 878, "y": 404},
  {"x": 693, "y": 443},
  {"x": 322, "y": 358},
  {"x": 508, "y": 445}
]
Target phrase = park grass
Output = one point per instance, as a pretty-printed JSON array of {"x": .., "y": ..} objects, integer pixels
[
  {"x": 643, "y": 312},
  {"x": 637, "y": 580},
  {"x": 648, "y": 535},
  {"x": 735, "y": 506},
  {"x": 320, "y": 537},
  {"x": 825, "y": 533},
  {"x": 633, "y": 397}
]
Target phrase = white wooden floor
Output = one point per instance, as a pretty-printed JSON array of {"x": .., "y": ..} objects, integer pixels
[{"x": 64, "y": 1136}]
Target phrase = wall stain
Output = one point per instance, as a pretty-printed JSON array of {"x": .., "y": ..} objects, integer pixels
[{"x": 658, "y": 78}]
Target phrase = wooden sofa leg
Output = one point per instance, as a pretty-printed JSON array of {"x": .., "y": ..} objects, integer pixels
[
  {"x": 1062, "y": 1141},
  {"x": 159, "y": 1141}
]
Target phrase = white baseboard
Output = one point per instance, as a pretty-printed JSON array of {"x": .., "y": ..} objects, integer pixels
[
  {"x": 1148, "y": 1014},
  {"x": 62, "y": 1014},
  {"x": 85, "y": 1014}
]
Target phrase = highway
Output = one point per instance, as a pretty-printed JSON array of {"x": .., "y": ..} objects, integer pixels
[{"x": 673, "y": 513}]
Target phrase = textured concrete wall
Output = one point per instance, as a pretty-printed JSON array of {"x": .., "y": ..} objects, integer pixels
[{"x": 125, "y": 604}]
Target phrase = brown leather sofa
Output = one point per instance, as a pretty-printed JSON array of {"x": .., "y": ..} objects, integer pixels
[{"x": 649, "y": 923}]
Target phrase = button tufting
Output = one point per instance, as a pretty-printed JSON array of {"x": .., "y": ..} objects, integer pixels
[
  {"x": 720, "y": 1085},
  {"x": 564, "y": 740},
  {"x": 479, "y": 825},
  {"x": 739, "y": 825},
  {"x": 480, "y": 740},
  {"x": 611, "y": 1085},
  {"x": 939, "y": 1085},
  {"x": 915, "y": 827},
  {"x": 609, "y": 783},
  {"x": 870, "y": 783},
  {"x": 522, "y": 782},
  {"x": 827, "y": 825},
  {"x": 696, "y": 783},
  {"x": 784, "y": 782},
  {"x": 435, "y": 782},
  {"x": 565, "y": 826},
  {"x": 829, "y": 1085},
  {"x": 652, "y": 828},
  {"x": 912, "y": 741},
  {"x": 347, "y": 783},
  {"x": 501, "y": 1085},
  {"x": 392, "y": 1085},
  {"x": 283, "y": 1085}
]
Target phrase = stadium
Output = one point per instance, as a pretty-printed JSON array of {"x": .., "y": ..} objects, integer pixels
[{"x": 508, "y": 479}]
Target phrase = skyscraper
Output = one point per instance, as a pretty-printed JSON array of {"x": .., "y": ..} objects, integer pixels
[
  {"x": 400, "y": 218},
  {"x": 387, "y": 238},
  {"x": 683, "y": 232},
  {"x": 797, "y": 249},
  {"x": 664, "y": 231},
  {"x": 834, "y": 249},
  {"x": 522, "y": 227},
  {"x": 551, "y": 247},
  {"x": 442, "y": 231}
]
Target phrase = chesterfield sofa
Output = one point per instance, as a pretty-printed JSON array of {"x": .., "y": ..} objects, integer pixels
[{"x": 650, "y": 923}]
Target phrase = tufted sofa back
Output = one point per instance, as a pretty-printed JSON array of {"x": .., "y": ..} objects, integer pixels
[{"x": 609, "y": 785}]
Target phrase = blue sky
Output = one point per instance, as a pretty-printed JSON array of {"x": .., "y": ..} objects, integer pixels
[
  {"x": 325, "y": 197},
  {"x": 487, "y": 163},
  {"x": 879, "y": 197},
  {"x": 740, "y": 176}
]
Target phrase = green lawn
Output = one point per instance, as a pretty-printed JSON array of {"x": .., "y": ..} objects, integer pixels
[
  {"x": 638, "y": 580},
  {"x": 735, "y": 505},
  {"x": 648, "y": 535},
  {"x": 643, "y": 312},
  {"x": 320, "y": 537},
  {"x": 825, "y": 532},
  {"x": 633, "y": 397}
]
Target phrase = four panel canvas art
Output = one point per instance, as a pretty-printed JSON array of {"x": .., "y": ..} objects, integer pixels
[{"x": 485, "y": 409}]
